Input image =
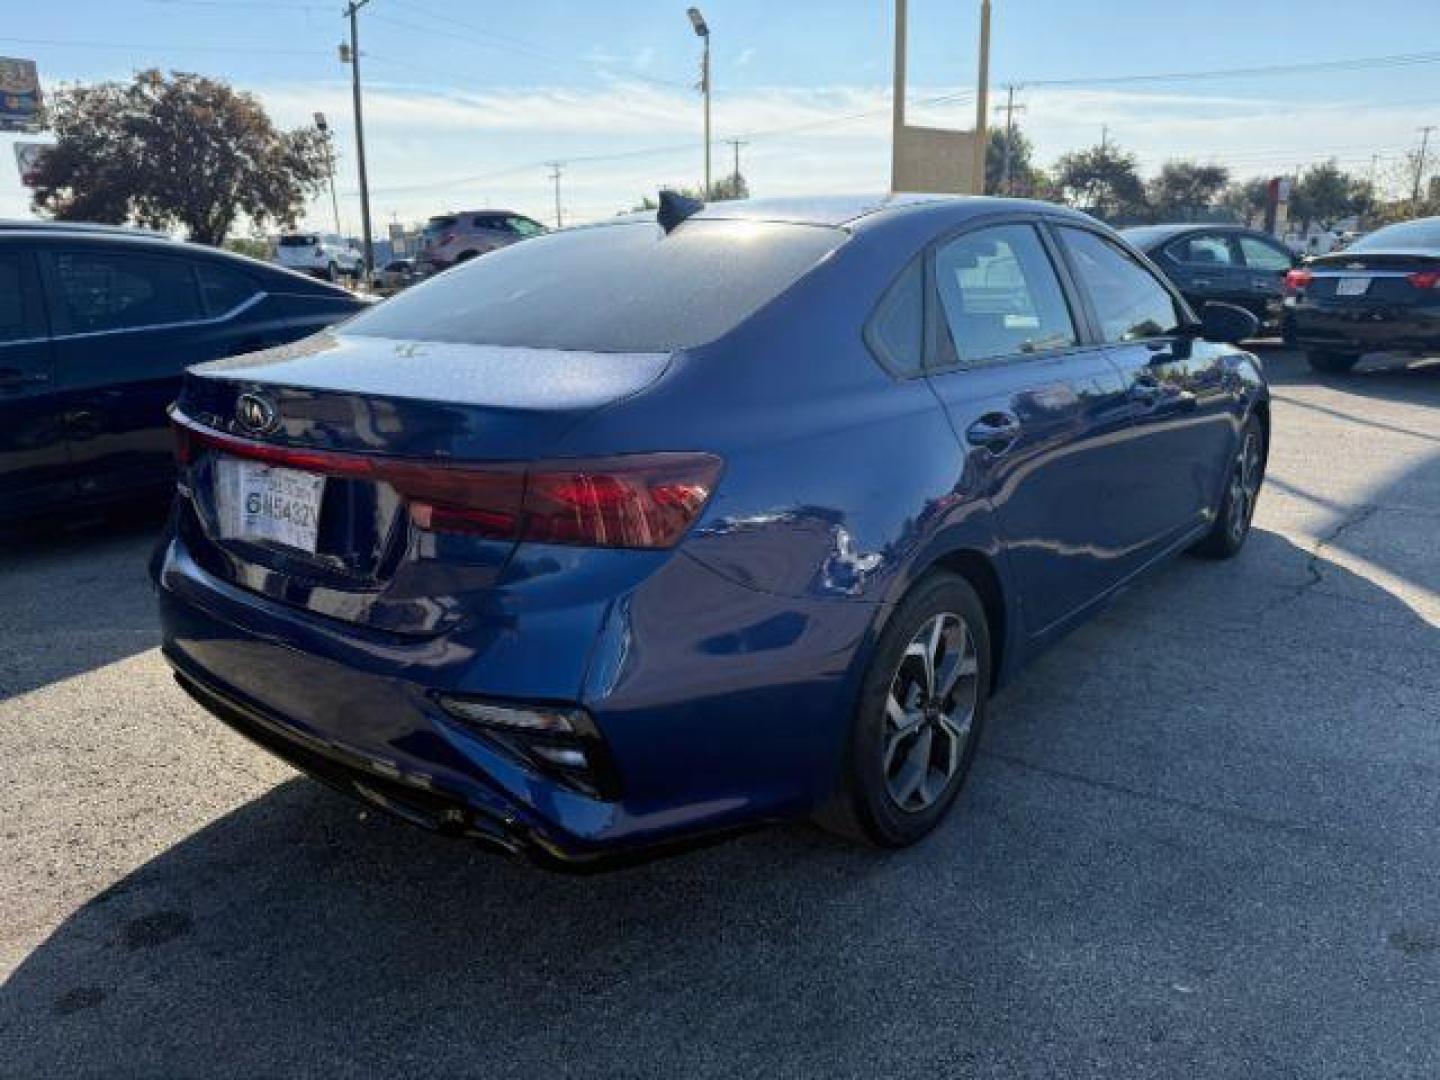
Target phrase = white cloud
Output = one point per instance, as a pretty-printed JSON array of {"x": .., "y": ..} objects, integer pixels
[{"x": 424, "y": 142}]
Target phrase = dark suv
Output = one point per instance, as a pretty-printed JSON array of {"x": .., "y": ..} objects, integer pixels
[
  {"x": 96, "y": 326},
  {"x": 452, "y": 238}
]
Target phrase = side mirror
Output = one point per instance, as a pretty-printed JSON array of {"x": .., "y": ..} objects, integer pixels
[{"x": 1226, "y": 323}]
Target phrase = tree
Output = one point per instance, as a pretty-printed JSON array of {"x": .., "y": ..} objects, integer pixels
[
  {"x": 178, "y": 150},
  {"x": 1025, "y": 179},
  {"x": 1247, "y": 199},
  {"x": 1102, "y": 180},
  {"x": 1184, "y": 190},
  {"x": 1325, "y": 193},
  {"x": 727, "y": 187}
]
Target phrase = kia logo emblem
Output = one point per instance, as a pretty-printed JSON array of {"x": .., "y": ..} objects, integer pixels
[{"x": 257, "y": 414}]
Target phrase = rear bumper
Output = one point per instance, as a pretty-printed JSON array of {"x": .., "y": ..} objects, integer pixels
[
  {"x": 1363, "y": 329},
  {"x": 708, "y": 734}
]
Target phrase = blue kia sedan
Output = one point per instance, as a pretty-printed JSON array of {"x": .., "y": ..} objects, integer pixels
[
  {"x": 97, "y": 324},
  {"x": 658, "y": 528}
]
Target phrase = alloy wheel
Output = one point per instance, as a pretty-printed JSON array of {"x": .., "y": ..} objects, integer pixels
[
  {"x": 1245, "y": 485},
  {"x": 929, "y": 712}
]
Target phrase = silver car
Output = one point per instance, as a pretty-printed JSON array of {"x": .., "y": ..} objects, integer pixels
[{"x": 452, "y": 238}]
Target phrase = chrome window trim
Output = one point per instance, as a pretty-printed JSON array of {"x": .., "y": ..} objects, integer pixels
[{"x": 215, "y": 320}]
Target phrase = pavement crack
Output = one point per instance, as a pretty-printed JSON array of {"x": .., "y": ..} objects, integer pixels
[
  {"x": 1238, "y": 817},
  {"x": 1316, "y": 555}
]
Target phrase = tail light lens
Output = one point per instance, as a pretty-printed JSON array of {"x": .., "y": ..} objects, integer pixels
[
  {"x": 446, "y": 238},
  {"x": 1297, "y": 279},
  {"x": 1425, "y": 279},
  {"x": 628, "y": 501}
]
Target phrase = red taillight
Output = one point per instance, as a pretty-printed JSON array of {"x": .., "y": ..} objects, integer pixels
[
  {"x": 630, "y": 501},
  {"x": 1297, "y": 279},
  {"x": 446, "y": 238},
  {"x": 1425, "y": 279}
]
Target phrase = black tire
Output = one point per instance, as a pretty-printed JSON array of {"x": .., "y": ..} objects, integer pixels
[
  {"x": 332, "y": 272},
  {"x": 880, "y": 756},
  {"x": 1242, "y": 490},
  {"x": 466, "y": 256},
  {"x": 1331, "y": 363}
]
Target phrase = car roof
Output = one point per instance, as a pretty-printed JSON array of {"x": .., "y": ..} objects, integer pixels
[
  {"x": 838, "y": 211},
  {"x": 1150, "y": 234},
  {"x": 71, "y": 227}
]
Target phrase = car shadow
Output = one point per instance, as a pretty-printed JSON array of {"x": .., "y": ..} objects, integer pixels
[
  {"x": 46, "y": 570},
  {"x": 1135, "y": 821}
]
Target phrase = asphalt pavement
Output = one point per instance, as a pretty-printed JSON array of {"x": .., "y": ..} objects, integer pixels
[{"x": 1202, "y": 839}]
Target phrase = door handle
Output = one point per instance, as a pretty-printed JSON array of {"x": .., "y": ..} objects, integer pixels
[
  {"x": 10, "y": 379},
  {"x": 995, "y": 431}
]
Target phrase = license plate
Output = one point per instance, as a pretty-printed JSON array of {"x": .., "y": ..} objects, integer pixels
[
  {"x": 1352, "y": 286},
  {"x": 263, "y": 502}
]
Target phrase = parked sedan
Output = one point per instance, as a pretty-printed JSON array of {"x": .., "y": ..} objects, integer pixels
[
  {"x": 1225, "y": 263},
  {"x": 96, "y": 326},
  {"x": 637, "y": 531},
  {"x": 1380, "y": 294}
]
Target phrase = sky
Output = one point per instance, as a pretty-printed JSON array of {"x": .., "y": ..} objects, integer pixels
[{"x": 467, "y": 100}]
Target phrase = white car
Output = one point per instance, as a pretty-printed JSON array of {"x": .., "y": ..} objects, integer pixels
[{"x": 322, "y": 255}]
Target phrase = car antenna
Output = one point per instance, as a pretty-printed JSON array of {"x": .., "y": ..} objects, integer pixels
[{"x": 675, "y": 208}]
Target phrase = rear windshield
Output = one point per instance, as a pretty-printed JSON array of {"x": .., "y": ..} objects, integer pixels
[
  {"x": 297, "y": 241},
  {"x": 435, "y": 224},
  {"x": 1424, "y": 233},
  {"x": 612, "y": 288}
]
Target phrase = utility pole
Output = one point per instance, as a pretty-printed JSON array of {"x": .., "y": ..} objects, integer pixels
[
  {"x": 351, "y": 11},
  {"x": 1104, "y": 138},
  {"x": 324, "y": 128},
  {"x": 702, "y": 30},
  {"x": 897, "y": 102},
  {"x": 735, "y": 145},
  {"x": 982, "y": 102},
  {"x": 1009, "y": 109},
  {"x": 557, "y": 168},
  {"x": 1420, "y": 161}
]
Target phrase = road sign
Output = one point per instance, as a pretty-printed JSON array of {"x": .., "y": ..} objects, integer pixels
[
  {"x": 19, "y": 95},
  {"x": 27, "y": 159}
]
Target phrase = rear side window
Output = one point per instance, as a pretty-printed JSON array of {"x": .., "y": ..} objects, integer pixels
[
  {"x": 1000, "y": 295},
  {"x": 99, "y": 291},
  {"x": 1129, "y": 302},
  {"x": 610, "y": 288},
  {"x": 1262, "y": 256},
  {"x": 298, "y": 241},
  {"x": 896, "y": 332},
  {"x": 222, "y": 289}
]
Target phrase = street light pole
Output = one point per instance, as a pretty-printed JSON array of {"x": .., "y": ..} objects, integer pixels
[
  {"x": 324, "y": 128},
  {"x": 703, "y": 31},
  {"x": 351, "y": 11},
  {"x": 1420, "y": 161}
]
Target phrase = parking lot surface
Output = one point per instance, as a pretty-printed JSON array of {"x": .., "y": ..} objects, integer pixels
[{"x": 1202, "y": 838}]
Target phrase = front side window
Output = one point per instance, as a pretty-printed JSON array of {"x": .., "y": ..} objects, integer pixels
[
  {"x": 1262, "y": 256},
  {"x": 16, "y": 323},
  {"x": 1000, "y": 295},
  {"x": 1203, "y": 249},
  {"x": 1130, "y": 303},
  {"x": 122, "y": 290}
]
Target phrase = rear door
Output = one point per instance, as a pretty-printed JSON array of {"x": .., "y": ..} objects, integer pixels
[
  {"x": 1039, "y": 409},
  {"x": 1267, "y": 262},
  {"x": 34, "y": 468},
  {"x": 1180, "y": 398},
  {"x": 128, "y": 321}
]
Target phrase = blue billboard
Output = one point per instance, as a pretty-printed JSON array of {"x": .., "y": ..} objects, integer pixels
[{"x": 19, "y": 95}]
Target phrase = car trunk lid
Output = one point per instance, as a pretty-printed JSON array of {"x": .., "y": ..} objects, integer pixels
[{"x": 341, "y": 406}]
